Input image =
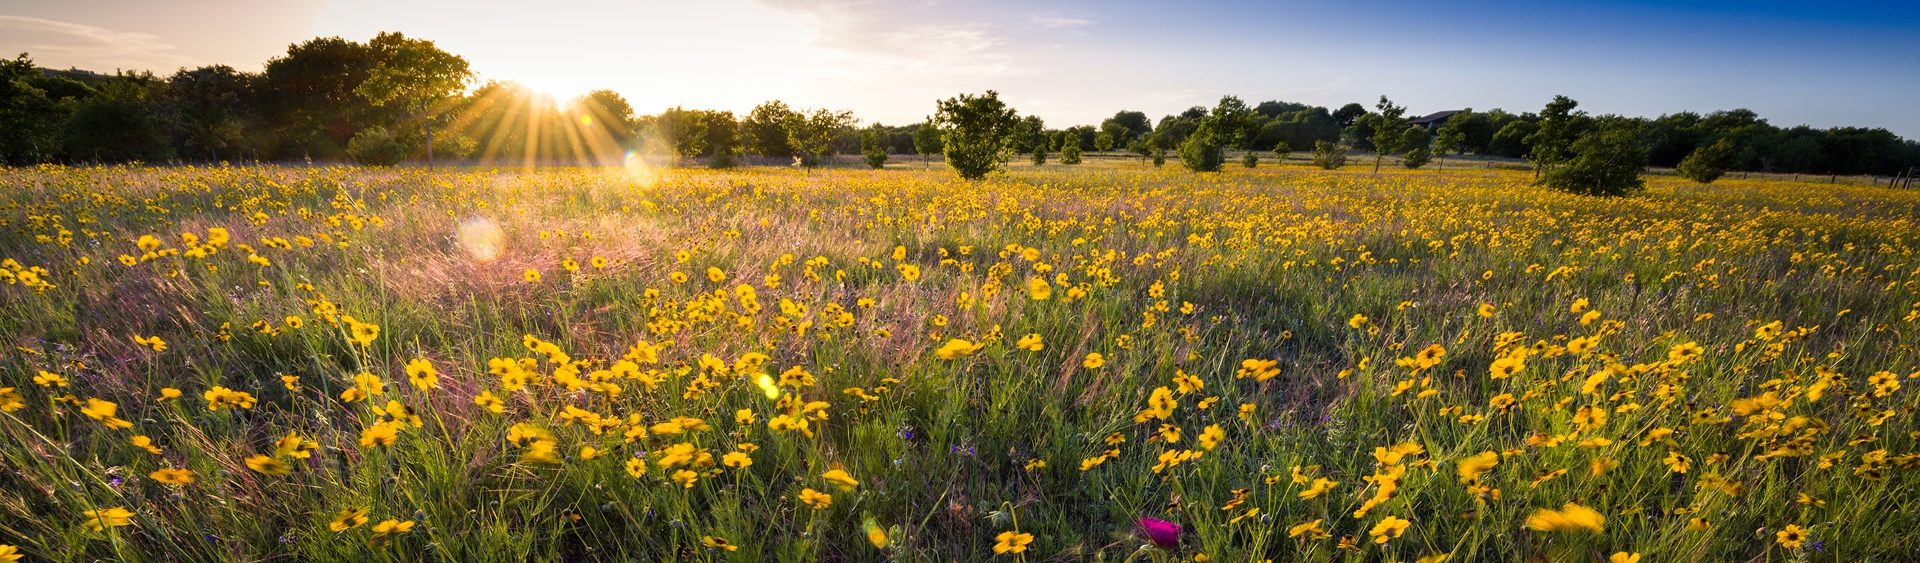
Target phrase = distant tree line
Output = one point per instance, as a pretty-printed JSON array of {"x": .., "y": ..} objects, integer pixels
[{"x": 396, "y": 98}]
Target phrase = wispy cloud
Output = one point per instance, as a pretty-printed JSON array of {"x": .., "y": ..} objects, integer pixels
[
  {"x": 55, "y": 43},
  {"x": 1057, "y": 21}
]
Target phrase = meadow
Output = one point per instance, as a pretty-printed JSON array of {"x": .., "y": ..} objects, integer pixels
[{"x": 1110, "y": 363}]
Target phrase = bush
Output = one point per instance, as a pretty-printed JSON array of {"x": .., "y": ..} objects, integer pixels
[
  {"x": 1707, "y": 163},
  {"x": 1250, "y": 160},
  {"x": 872, "y": 148},
  {"x": 724, "y": 159},
  {"x": 1329, "y": 155},
  {"x": 1606, "y": 163},
  {"x": 375, "y": 146},
  {"x": 1039, "y": 154},
  {"x": 1202, "y": 152},
  {"x": 1417, "y": 158},
  {"x": 1070, "y": 154}
]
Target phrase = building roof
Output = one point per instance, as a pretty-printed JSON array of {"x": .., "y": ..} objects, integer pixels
[{"x": 1434, "y": 117}]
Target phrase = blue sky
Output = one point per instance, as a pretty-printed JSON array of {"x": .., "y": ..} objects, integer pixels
[{"x": 1071, "y": 62}]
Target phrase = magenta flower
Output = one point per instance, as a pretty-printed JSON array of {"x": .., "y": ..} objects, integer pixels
[{"x": 1161, "y": 532}]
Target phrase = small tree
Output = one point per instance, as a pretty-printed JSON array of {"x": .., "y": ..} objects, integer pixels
[
  {"x": 975, "y": 131},
  {"x": 1250, "y": 159},
  {"x": 1202, "y": 152},
  {"x": 926, "y": 140},
  {"x": 1329, "y": 155},
  {"x": 1708, "y": 162},
  {"x": 811, "y": 134},
  {"x": 1447, "y": 141},
  {"x": 1039, "y": 154},
  {"x": 375, "y": 146},
  {"x": 1103, "y": 141},
  {"x": 1416, "y": 158},
  {"x": 1389, "y": 131},
  {"x": 1281, "y": 152},
  {"x": 873, "y": 147},
  {"x": 1606, "y": 163},
  {"x": 1141, "y": 146},
  {"x": 1552, "y": 142},
  {"x": 1070, "y": 152}
]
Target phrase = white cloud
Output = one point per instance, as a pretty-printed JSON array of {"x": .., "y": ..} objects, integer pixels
[
  {"x": 61, "y": 44},
  {"x": 1057, "y": 21}
]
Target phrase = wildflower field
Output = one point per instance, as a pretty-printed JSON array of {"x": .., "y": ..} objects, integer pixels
[{"x": 1098, "y": 364}]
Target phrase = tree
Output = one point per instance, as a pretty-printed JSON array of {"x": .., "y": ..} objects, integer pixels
[
  {"x": 1070, "y": 151},
  {"x": 1511, "y": 140},
  {"x": 1280, "y": 153},
  {"x": 1202, "y": 150},
  {"x": 682, "y": 131},
  {"x": 1233, "y": 122},
  {"x": 1389, "y": 130},
  {"x": 1039, "y": 154},
  {"x": 1606, "y": 163},
  {"x": 121, "y": 123},
  {"x": 975, "y": 131},
  {"x": 1329, "y": 155},
  {"x": 1134, "y": 123},
  {"x": 375, "y": 146},
  {"x": 1553, "y": 142},
  {"x": 1103, "y": 142},
  {"x": 308, "y": 105},
  {"x": 1250, "y": 159},
  {"x": 926, "y": 139},
  {"x": 873, "y": 147},
  {"x": 1709, "y": 162},
  {"x": 1348, "y": 114},
  {"x": 207, "y": 103},
  {"x": 29, "y": 118},
  {"x": 811, "y": 134},
  {"x": 1447, "y": 141},
  {"x": 765, "y": 129},
  {"x": 416, "y": 76},
  {"x": 609, "y": 111}
]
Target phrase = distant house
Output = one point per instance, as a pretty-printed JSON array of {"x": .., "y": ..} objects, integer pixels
[{"x": 1434, "y": 121}]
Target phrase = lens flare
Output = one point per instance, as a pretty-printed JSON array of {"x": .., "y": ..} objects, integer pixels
[{"x": 481, "y": 238}]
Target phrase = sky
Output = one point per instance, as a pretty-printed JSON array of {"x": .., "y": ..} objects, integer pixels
[{"x": 1825, "y": 64}]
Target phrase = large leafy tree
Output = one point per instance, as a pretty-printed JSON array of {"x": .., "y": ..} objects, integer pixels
[
  {"x": 1606, "y": 162},
  {"x": 122, "y": 122},
  {"x": 308, "y": 103},
  {"x": 976, "y": 131},
  {"x": 29, "y": 118},
  {"x": 415, "y": 76},
  {"x": 764, "y": 130},
  {"x": 209, "y": 103}
]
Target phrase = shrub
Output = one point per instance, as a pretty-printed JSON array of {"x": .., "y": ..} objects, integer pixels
[
  {"x": 1202, "y": 151},
  {"x": 1329, "y": 155},
  {"x": 872, "y": 148},
  {"x": 1039, "y": 154},
  {"x": 1281, "y": 152},
  {"x": 1707, "y": 163},
  {"x": 375, "y": 146},
  {"x": 1417, "y": 158},
  {"x": 1250, "y": 160},
  {"x": 1070, "y": 154}
]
